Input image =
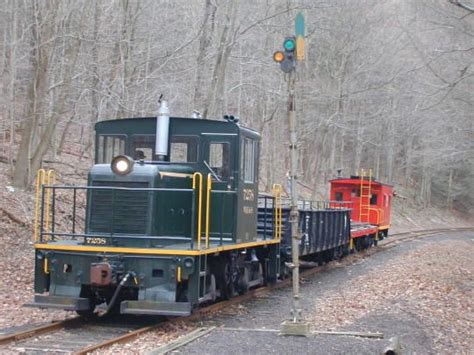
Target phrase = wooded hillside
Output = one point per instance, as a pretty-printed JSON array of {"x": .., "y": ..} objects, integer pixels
[{"x": 386, "y": 84}]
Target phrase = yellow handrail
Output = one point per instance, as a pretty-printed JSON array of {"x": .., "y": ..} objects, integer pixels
[
  {"x": 46, "y": 266},
  {"x": 195, "y": 177},
  {"x": 49, "y": 180},
  {"x": 178, "y": 274},
  {"x": 208, "y": 208},
  {"x": 42, "y": 178}
]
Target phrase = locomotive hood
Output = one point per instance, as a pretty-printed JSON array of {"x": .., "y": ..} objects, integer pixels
[{"x": 151, "y": 173}]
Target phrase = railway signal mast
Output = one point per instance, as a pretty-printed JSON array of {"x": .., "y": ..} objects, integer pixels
[{"x": 293, "y": 51}]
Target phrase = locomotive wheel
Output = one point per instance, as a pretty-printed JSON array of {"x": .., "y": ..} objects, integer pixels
[
  {"x": 211, "y": 287},
  {"x": 226, "y": 285},
  {"x": 244, "y": 281}
]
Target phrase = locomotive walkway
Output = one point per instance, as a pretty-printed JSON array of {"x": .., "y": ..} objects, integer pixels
[{"x": 249, "y": 328}]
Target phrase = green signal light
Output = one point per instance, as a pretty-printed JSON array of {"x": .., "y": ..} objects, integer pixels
[{"x": 289, "y": 44}]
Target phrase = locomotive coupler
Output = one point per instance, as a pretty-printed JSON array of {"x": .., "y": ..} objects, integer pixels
[{"x": 105, "y": 274}]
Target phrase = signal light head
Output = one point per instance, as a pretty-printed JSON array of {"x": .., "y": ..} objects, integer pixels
[
  {"x": 278, "y": 56},
  {"x": 289, "y": 44}
]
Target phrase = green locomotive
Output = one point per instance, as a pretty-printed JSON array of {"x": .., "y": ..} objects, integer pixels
[{"x": 170, "y": 220}]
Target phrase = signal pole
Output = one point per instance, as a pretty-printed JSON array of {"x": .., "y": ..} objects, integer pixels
[
  {"x": 293, "y": 49},
  {"x": 294, "y": 215}
]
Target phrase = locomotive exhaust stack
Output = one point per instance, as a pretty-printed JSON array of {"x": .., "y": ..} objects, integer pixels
[{"x": 162, "y": 130}]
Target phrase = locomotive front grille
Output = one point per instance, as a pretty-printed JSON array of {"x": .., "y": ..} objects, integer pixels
[{"x": 119, "y": 211}]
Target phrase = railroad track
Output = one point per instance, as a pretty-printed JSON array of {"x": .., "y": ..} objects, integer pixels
[{"x": 79, "y": 336}]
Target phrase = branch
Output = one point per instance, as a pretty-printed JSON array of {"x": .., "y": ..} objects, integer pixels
[
  {"x": 12, "y": 217},
  {"x": 462, "y": 5}
]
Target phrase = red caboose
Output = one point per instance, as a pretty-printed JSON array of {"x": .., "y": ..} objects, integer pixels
[{"x": 371, "y": 200}]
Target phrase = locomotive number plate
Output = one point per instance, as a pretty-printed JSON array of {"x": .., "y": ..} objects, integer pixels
[{"x": 95, "y": 241}]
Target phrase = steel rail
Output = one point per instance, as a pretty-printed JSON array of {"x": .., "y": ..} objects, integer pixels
[{"x": 42, "y": 329}]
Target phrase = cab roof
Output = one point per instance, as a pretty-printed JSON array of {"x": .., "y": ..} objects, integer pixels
[{"x": 178, "y": 125}]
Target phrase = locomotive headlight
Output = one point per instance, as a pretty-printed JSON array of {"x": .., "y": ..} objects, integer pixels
[{"x": 122, "y": 165}]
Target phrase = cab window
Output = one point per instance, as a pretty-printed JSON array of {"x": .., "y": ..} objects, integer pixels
[
  {"x": 143, "y": 147},
  {"x": 108, "y": 147},
  {"x": 247, "y": 159},
  {"x": 184, "y": 149},
  {"x": 219, "y": 160}
]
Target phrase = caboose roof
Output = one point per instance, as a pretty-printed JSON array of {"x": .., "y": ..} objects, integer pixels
[{"x": 356, "y": 181}]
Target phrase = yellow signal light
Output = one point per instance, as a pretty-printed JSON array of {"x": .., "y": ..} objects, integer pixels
[{"x": 278, "y": 56}]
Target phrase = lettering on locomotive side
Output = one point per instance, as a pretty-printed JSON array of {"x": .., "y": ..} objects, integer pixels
[
  {"x": 249, "y": 195},
  {"x": 248, "y": 209},
  {"x": 95, "y": 241}
]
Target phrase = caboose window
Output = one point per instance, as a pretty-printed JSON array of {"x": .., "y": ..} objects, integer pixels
[
  {"x": 373, "y": 199},
  {"x": 355, "y": 193},
  {"x": 109, "y": 147},
  {"x": 339, "y": 196},
  {"x": 184, "y": 149},
  {"x": 247, "y": 162}
]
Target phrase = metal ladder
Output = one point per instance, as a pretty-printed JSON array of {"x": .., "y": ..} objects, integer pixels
[{"x": 365, "y": 194}]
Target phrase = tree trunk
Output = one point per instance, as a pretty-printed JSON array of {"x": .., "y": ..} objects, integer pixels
[
  {"x": 207, "y": 29},
  {"x": 22, "y": 173},
  {"x": 213, "y": 103}
]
